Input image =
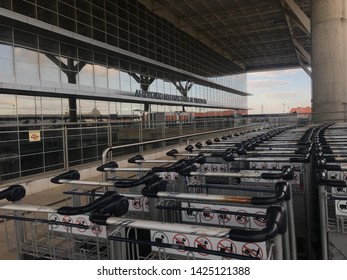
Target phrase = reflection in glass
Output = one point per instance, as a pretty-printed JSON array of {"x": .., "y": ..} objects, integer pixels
[
  {"x": 100, "y": 73},
  {"x": 113, "y": 78},
  {"x": 86, "y": 76}
]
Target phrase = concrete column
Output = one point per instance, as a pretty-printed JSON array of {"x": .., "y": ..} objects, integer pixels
[{"x": 329, "y": 60}]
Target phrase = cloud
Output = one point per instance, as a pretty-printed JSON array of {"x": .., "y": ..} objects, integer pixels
[
  {"x": 273, "y": 74},
  {"x": 267, "y": 84}
]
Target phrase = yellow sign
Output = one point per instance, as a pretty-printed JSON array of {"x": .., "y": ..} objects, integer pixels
[{"x": 34, "y": 135}]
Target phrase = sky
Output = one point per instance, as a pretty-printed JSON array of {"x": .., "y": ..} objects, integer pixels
[{"x": 278, "y": 91}]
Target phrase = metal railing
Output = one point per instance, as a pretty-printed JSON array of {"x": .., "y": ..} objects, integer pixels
[{"x": 64, "y": 145}]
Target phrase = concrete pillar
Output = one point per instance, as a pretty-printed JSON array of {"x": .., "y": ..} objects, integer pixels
[{"x": 329, "y": 60}]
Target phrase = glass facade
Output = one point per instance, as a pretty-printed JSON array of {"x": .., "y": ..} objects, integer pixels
[
  {"x": 81, "y": 95},
  {"x": 129, "y": 25},
  {"x": 59, "y": 64}
]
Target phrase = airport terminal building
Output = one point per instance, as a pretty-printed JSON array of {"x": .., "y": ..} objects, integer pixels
[{"x": 101, "y": 62}]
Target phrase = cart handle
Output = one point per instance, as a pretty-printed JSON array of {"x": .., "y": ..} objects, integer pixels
[
  {"x": 282, "y": 192},
  {"x": 135, "y": 158},
  {"x": 286, "y": 174},
  {"x": 276, "y": 223},
  {"x": 198, "y": 145},
  {"x": 109, "y": 203},
  {"x": 111, "y": 164},
  {"x": 13, "y": 193},
  {"x": 134, "y": 183},
  {"x": 180, "y": 164},
  {"x": 321, "y": 175},
  {"x": 69, "y": 175}
]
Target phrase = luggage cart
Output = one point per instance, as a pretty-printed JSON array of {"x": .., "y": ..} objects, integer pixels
[
  {"x": 180, "y": 241},
  {"x": 181, "y": 207},
  {"x": 333, "y": 216},
  {"x": 61, "y": 232}
]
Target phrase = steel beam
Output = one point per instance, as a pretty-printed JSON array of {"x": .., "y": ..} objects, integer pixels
[{"x": 301, "y": 16}]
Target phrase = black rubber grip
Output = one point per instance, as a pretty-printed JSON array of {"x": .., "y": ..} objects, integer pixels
[
  {"x": 153, "y": 187},
  {"x": 135, "y": 158},
  {"x": 229, "y": 157},
  {"x": 216, "y": 139},
  {"x": 224, "y": 137},
  {"x": 330, "y": 167},
  {"x": 172, "y": 153},
  {"x": 286, "y": 174},
  {"x": 185, "y": 171},
  {"x": 208, "y": 142},
  {"x": 109, "y": 202},
  {"x": 13, "y": 193},
  {"x": 111, "y": 164},
  {"x": 304, "y": 158},
  {"x": 189, "y": 148},
  {"x": 200, "y": 159},
  {"x": 131, "y": 184},
  {"x": 322, "y": 178},
  {"x": 282, "y": 193},
  {"x": 198, "y": 145},
  {"x": 98, "y": 219},
  {"x": 275, "y": 224},
  {"x": 69, "y": 175}
]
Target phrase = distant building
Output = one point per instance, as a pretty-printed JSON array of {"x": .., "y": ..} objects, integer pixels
[
  {"x": 301, "y": 110},
  {"x": 303, "y": 114}
]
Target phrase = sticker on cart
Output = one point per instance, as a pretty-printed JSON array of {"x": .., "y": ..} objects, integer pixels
[
  {"x": 243, "y": 220},
  {"x": 252, "y": 250},
  {"x": 181, "y": 240},
  {"x": 274, "y": 165},
  {"x": 54, "y": 218},
  {"x": 260, "y": 221},
  {"x": 96, "y": 229},
  {"x": 137, "y": 203},
  {"x": 264, "y": 165},
  {"x": 203, "y": 243},
  {"x": 297, "y": 167},
  {"x": 224, "y": 217},
  {"x": 339, "y": 190},
  {"x": 254, "y": 165},
  {"x": 226, "y": 246},
  {"x": 190, "y": 213},
  {"x": 68, "y": 220},
  {"x": 223, "y": 168},
  {"x": 214, "y": 168},
  {"x": 341, "y": 207},
  {"x": 333, "y": 175},
  {"x": 207, "y": 167},
  {"x": 167, "y": 176},
  {"x": 146, "y": 202},
  {"x": 207, "y": 214},
  {"x": 83, "y": 222},
  {"x": 160, "y": 237}
]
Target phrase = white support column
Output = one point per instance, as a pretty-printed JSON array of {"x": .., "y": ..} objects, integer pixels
[{"x": 329, "y": 60}]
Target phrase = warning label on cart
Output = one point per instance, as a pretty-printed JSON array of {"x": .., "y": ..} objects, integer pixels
[
  {"x": 341, "y": 207},
  {"x": 253, "y": 250},
  {"x": 203, "y": 247},
  {"x": 72, "y": 222},
  {"x": 224, "y": 215},
  {"x": 138, "y": 204}
]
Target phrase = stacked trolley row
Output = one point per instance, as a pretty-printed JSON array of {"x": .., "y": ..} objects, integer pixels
[
  {"x": 202, "y": 212},
  {"x": 228, "y": 199},
  {"x": 331, "y": 171},
  {"x": 273, "y": 151}
]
